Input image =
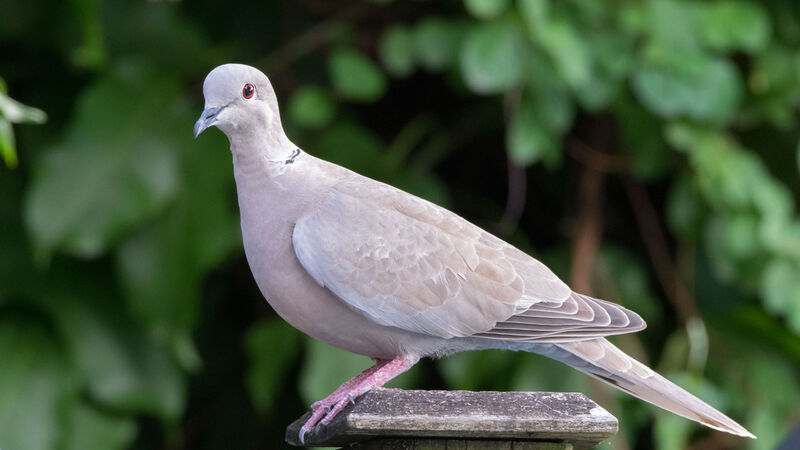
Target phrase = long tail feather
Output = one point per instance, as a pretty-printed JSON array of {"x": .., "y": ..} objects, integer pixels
[{"x": 602, "y": 360}]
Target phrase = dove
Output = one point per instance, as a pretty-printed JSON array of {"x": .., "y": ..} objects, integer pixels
[{"x": 374, "y": 270}]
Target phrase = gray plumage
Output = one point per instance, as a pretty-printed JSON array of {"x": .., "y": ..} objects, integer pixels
[{"x": 371, "y": 269}]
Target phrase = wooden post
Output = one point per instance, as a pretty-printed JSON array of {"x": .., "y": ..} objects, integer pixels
[{"x": 397, "y": 419}]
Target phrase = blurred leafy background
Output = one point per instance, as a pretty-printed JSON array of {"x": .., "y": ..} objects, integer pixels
[{"x": 646, "y": 150}]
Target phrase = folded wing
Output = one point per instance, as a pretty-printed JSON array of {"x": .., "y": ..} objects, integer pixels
[{"x": 405, "y": 262}]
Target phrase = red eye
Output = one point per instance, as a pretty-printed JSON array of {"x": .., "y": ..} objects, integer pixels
[{"x": 248, "y": 90}]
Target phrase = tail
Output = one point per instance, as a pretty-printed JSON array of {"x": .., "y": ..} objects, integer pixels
[{"x": 602, "y": 360}]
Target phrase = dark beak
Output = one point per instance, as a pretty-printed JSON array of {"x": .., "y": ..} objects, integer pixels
[{"x": 207, "y": 119}]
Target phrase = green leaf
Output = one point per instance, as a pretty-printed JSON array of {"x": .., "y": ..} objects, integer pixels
[
  {"x": 312, "y": 107},
  {"x": 535, "y": 13},
  {"x": 12, "y": 111},
  {"x": 528, "y": 142},
  {"x": 558, "y": 36},
  {"x": 555, "y": 109},
  {"x": 396, "y": 51},
  {"x": 436, "y": 43},
  {"x": 271, "y": 346},
  {"x": 767, "y": 368},
  {"x": 91, "y": 53},
  {"x": 781, "y": 236},
  {"x": 611, "y": 56},
  {"x": 8, "y": 150},
  {"x": 675, "y": 24},
  {"x": 114, "y": 168},
  {"x": 89, "y": 429},
  {"x": 694, "y": 85},
  {"x": 774, "y": 84},
  {"x": 738, "y": 235},
  {"x": 721, "y": 166},
  {"x": 16, "y": 112},
  {"x": 547, "y": 93},
  {"x": 564, "y": 44},
  {"x": 736, "y": 25},
  {"x": 486, "y": 9},
  {"x": 139, "y": 374},
  {"x": 491, "y": 57},
  {"x": 632, "y": 18},
  {"x": 780, "y": 288},
  {"x": 35, "y": 381},
  {"x": 355, "y": 76},
  {"x": 685, "y": 137},
  {"x": 772, "y": 74}
]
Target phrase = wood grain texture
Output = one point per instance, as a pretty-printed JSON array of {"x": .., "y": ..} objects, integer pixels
[
  {"x": 454, "y": 444},
  {"x": 465, "y": 420}
]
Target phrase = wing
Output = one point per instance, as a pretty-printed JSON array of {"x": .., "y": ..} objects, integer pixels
[
  {"x": 405, "y": 262},
  {"x": 578, "y": 318}
]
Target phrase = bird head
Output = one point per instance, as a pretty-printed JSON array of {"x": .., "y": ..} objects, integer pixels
[{"x": 238, "y": 99}]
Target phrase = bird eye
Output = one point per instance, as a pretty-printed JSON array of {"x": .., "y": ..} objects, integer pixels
[{"x": 248, "y": 90}]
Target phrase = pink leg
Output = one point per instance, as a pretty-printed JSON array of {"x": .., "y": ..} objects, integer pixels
[
  {"x": 330, "y": 400},
  {"x": 376, "y": 376}
]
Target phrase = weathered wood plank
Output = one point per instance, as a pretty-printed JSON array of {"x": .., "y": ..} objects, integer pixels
[
  {"x": 467, "y": 417},
  {"x": 453, "y": 444}
]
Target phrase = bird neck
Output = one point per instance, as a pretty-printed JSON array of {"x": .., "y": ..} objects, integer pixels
[
  {"x": 263, "y": 165},
  {"x": 263, "y": 150},
  {"x": 267, "y": 175}
]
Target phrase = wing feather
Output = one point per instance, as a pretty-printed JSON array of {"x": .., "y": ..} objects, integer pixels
[{"x": 404, "y": 262}]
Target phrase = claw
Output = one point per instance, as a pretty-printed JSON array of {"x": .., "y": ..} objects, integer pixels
[
  {"x": 326, "y": 420},
  {"x": 323, "y": 411},
  {"x": 302, "y": 434}
]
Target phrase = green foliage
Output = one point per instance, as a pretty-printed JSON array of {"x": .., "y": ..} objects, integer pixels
[
  {"x": 132, "y": 177},
  {"x": 12, "y": 111},
  {"x": 397, "y": 51},
  {"x": 271, "y": 347},
  {"x": 437, "y": 42},
  {"x": 491, "y": 58},
  {"x": 736, "y": 25},
  {"x": 89, "y": 428},
  {"x": 355, "y": 76},
  {"x": 486, "y": 9},
  {"x": 695, "y": 86},
  {"x": 128, "y": 318},
  {"x": 36, "y": 379},
  {"x": 312, "y": 107}
]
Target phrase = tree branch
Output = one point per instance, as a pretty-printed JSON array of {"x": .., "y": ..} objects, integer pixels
[{"x": 655, "y": 241}]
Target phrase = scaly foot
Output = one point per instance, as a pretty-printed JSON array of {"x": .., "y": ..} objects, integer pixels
[{"x": 376, "y": 376}]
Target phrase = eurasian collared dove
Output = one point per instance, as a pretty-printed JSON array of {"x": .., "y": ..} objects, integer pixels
[{"x": 371, "y": 269}]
